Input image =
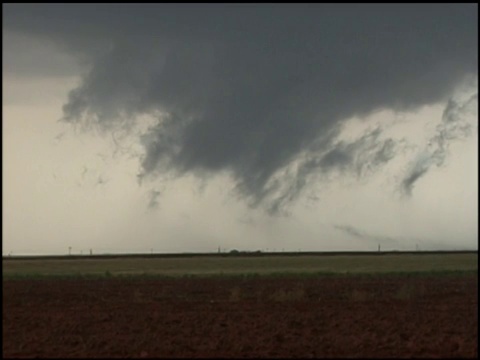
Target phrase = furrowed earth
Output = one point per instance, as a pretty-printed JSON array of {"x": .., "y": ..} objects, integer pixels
[{"x": 368, "y": 316}]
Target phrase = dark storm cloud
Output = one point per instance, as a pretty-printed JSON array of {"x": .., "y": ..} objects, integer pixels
[
  {"x": 455, "y": 125},
  {"x": 250, "y": 89},
  {"x": 24, "y": 56}
]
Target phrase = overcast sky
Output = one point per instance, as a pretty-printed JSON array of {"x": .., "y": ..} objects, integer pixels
[{"x": 181, "y": 127}]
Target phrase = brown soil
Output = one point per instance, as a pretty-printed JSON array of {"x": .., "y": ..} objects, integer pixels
[{"x": 341, "y": 316}]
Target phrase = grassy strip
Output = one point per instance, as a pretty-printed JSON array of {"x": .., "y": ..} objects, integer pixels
[
  {"x": 247, "y": 275},
  {"x": 260, "y": 266},
  {"x": 314, "y": 264}
]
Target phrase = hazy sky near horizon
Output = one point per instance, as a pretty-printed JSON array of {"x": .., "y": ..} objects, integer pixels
[{"x": 183, "y": 127}]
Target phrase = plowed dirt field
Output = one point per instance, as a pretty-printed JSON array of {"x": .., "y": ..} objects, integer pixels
[{"x": 263, "y": 316}]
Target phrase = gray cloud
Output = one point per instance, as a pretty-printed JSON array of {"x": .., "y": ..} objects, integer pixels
[
  {"x": 390, "y": 243},
  {"x": 259, "y": 91},
  {"x": 154, "y": 199},
  {"x": 386, "y": 241},
  {"x": 25, "y": 56},
  {"x": 361, "y": 155},
  {"x": 454, "y": 126}
]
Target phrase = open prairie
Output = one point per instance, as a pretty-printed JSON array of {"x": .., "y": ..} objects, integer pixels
[{"x": 393, "y": 305}]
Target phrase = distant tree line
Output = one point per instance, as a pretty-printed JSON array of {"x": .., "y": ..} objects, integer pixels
[{"x": 236, "y": 252}]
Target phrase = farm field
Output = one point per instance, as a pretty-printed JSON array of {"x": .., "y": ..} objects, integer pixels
[
  {"x": 240, "y": 265},
  {"x": 422, "y": 313}
]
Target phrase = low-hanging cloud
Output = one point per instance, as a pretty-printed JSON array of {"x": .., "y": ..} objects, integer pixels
[
  {"x": 154, "y": 198},
  {"x": 386, "y": 241},
  {"x": 455, "y": 125},
  {"x": 392, "y": 243},
  {"x": 250, "y": 89}
]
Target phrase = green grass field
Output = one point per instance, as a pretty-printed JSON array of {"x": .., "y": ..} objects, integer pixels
[{"x": 244, "y": 265}]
